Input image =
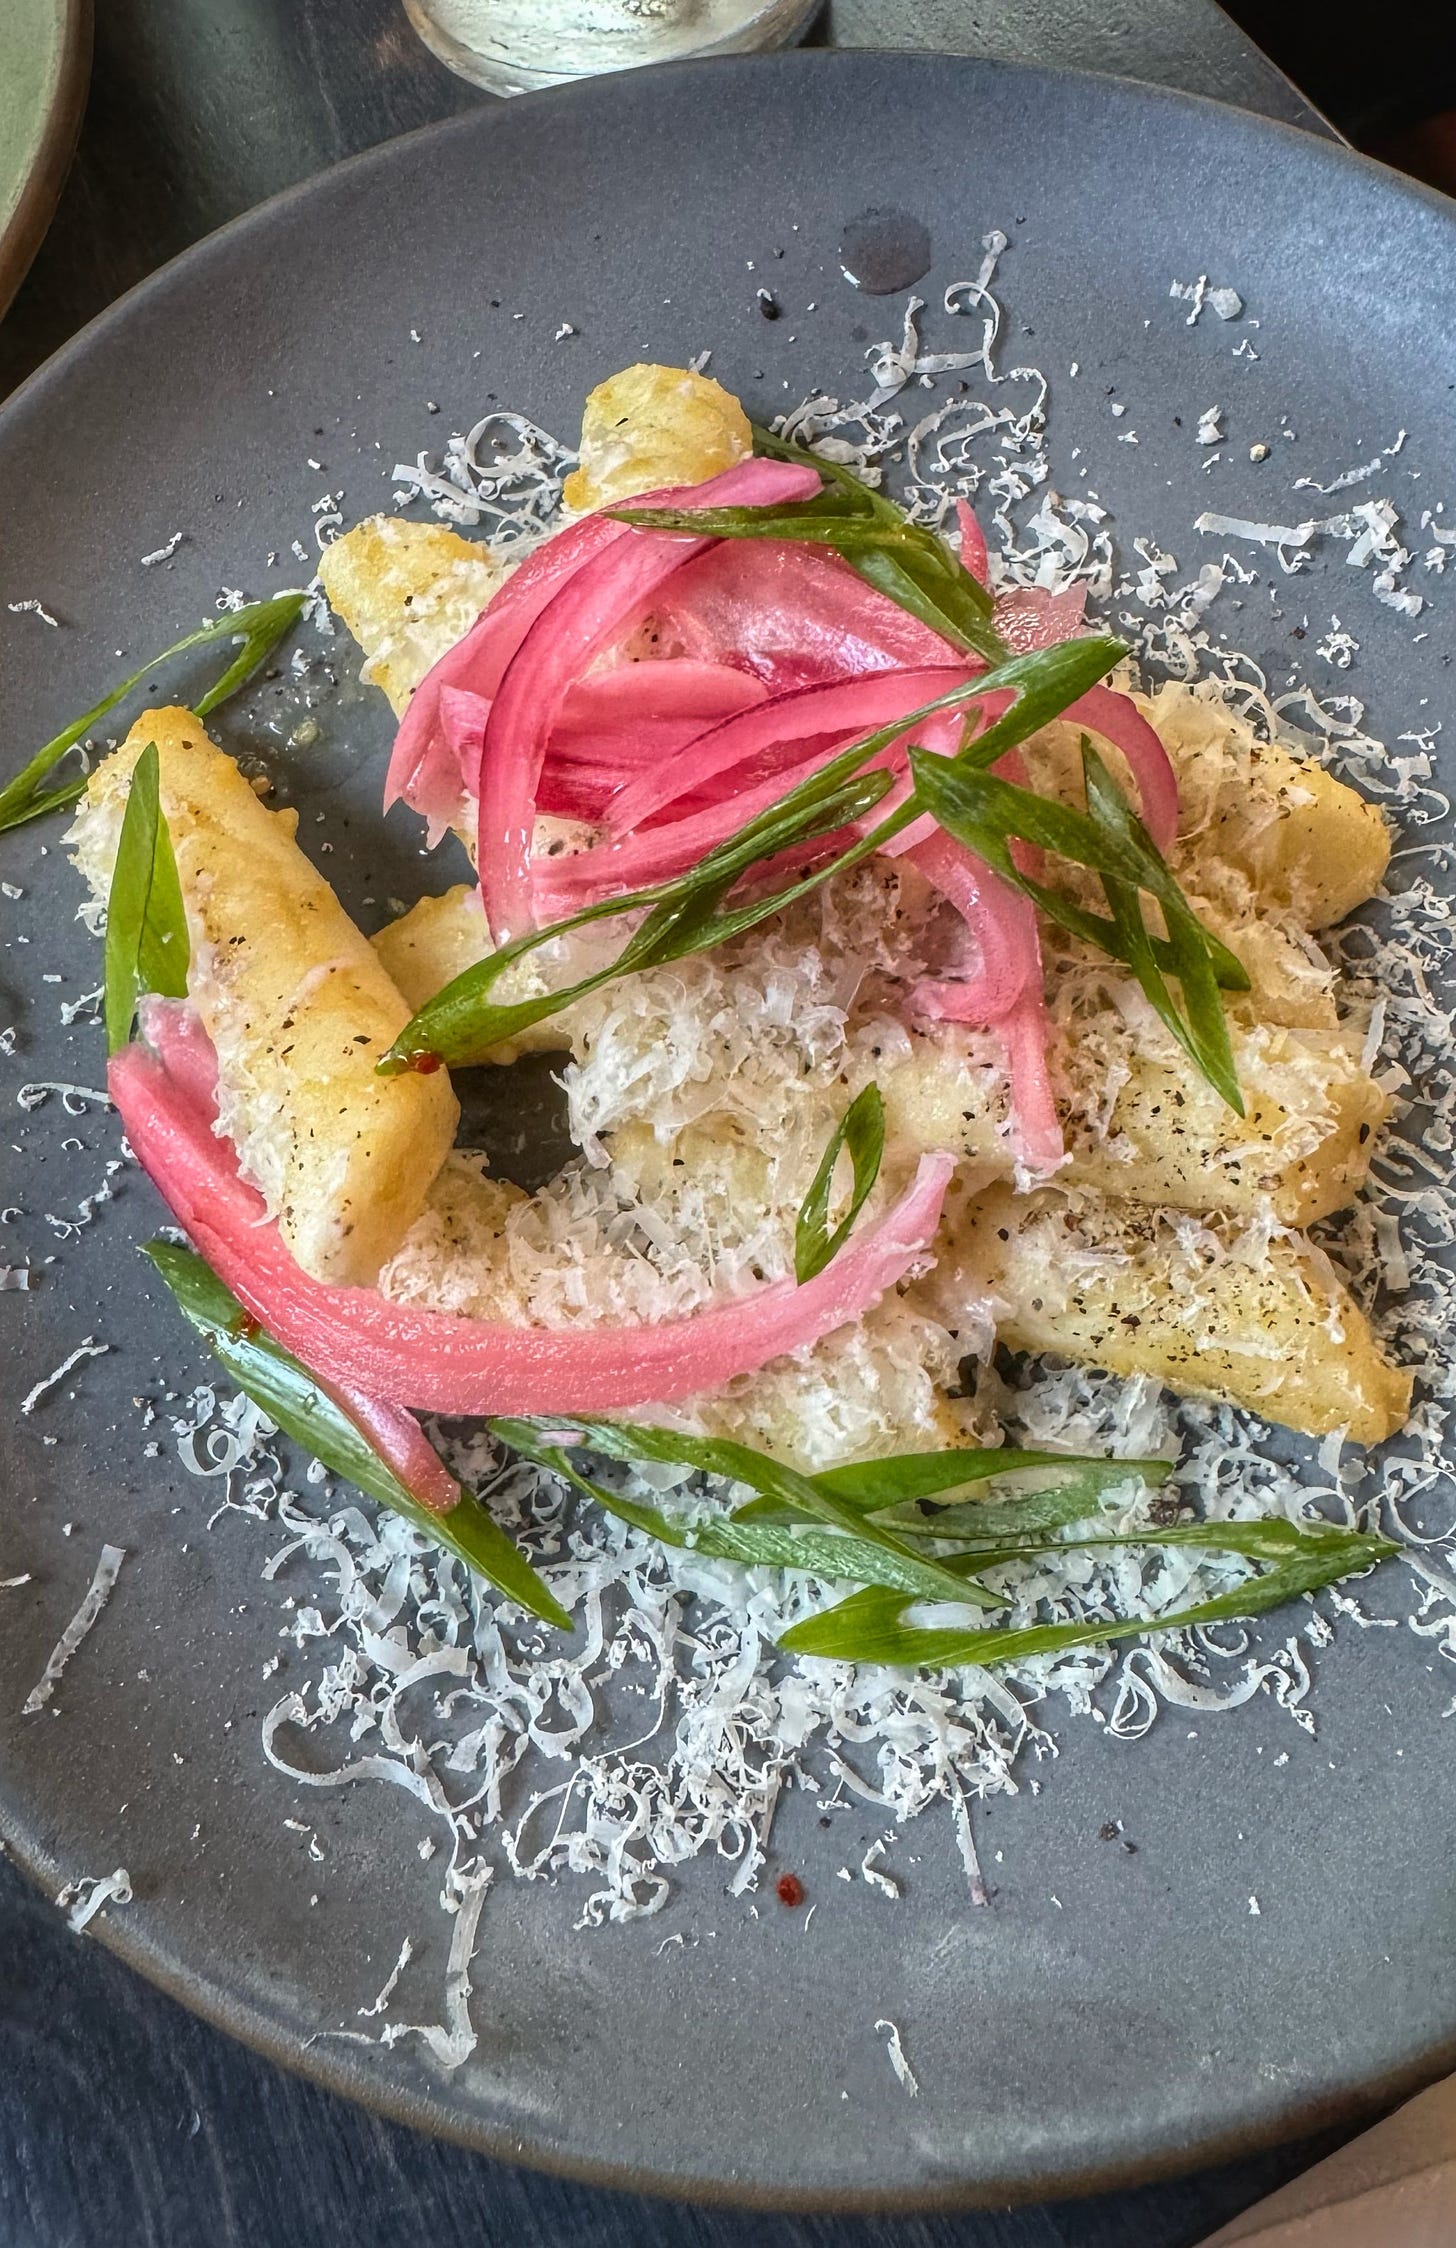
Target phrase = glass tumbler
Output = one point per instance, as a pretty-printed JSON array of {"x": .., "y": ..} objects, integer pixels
[{"x": 514, "y": 46}]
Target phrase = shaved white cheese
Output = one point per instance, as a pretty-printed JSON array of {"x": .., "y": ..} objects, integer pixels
[
  {"x": 74, "y": 1098},
  {"x": 876, "y": 1875},
  {"x": 90, "y": 1348},
  {"x": 1371, "y": 528},
  {"x": 1288, "y": 539},
  {"x": 1226, "y": 302},
  {"x": 391, "y": 1982},
  {"x": 89, "y": 1004},
  {"x": 1193, "y": 292},
  {"x": 453, "y": 2041},
  {"x": 163, "y": 553},
  {"x": 83, "y": 1898},
  {"x": 1338, "y": 646},
  {"x": 894, "y": 2046},
  {"x": 504, "y": 472},
  {"x": 108, "y": 1569},
  {"x": 975, "y": 296}
]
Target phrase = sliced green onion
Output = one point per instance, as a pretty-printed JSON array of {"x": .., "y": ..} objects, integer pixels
[
  {"x": 290, "y": 1395},
  {"x": 260, "y": 626},
  {"x": 147, "y": 946},
  {"x": 868, "y": 1627},
  {"x": 861, "y": 1130}
]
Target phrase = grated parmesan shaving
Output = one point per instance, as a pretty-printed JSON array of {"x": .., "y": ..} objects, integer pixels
[
  {"x": 391, "y": 1982},
  {"x": 894, "y": 2046},
  {"x": 163, "y": 553},
  {"x": 876, "y": 1875},
  {"x": 90, "y": 1348},
  {"x": 74, "y": 1098},
  {"x": 83, "y": 1898},
  {"x": 108, "y": 1569},
  {"x": 453, "y": 2042}
]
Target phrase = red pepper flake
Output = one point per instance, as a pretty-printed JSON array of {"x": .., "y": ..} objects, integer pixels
[
  {"x": 424, "y": 1063},
  {"x": 246, "y": 1328},
  {"x": 789, "y": 1889}
]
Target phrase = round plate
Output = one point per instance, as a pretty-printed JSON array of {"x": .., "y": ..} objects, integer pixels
[
  {"x": 45, "y": 48},
  {"x": 1114, "y": 2010}
]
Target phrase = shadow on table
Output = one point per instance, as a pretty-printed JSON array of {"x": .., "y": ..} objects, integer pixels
[{"x": 120, "y": 2125}]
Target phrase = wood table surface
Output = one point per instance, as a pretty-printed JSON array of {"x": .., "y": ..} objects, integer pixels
[{"x": 124, "y": 2122}]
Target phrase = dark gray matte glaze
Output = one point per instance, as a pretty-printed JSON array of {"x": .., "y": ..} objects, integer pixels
[{"x": 1112, "y": 2013}]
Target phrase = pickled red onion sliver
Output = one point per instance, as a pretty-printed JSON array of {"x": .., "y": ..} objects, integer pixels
[
  {"x": 1102, "y": 710},
  {"x": 792, "y": 615},
  {"x": 461, "y": 720},
  {"x": 175, "y": 1030},
  {"x": 399, "y": 1440},
  {"x": 186, "y": 1053},
  {"x": 639, "y": 714},
  {"x": 1028, "y": 617},
  {"x": 576, "y": 624},
  {"x": 419, "y": 765},
  {"x": 664, "y": 687},
  {"x": 356, "y": 1340},
  {"x": 845, "y": 708},
  {"x": 560, "y": 886},
  {"x": 1002, "y": 924},
  {"x": 1023, "y": 1033},
  {"x": 973, "y": 543}
]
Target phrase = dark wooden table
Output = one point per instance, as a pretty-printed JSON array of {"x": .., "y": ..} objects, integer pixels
[{"x": 124, "y": 2123}]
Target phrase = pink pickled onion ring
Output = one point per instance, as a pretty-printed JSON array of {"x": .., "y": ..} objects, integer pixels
[
  {"x": 186, "y": 1053},
  {"x": 174, "y": 1030},
  {"x": 792, "y": 615},
  {"x": 638, "y": 714},
  {"x": 1023, "y": 1032},
  {"x": 1028, "y": 617},
  {"x": 461, "y": 720},
  {"x": 615, "y": 722},
  {"x": 657, "y": 688},
  {"x": 1104, "y": 711},
  {"x": 1002, "y": 925},
  {"x": 843, "y": 708},
  {"x": 576, "y": 625},
  {"x": 400, "y": 1441},
  {"x": 437, "y": 1362},
  {"x": 563, "y": 885},
  {"x": 419, "y": 765},
  {"x": 973, "y": 544}
]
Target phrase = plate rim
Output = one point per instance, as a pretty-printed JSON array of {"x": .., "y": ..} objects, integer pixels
[
  {"x": 25, "y": 228},
  {"x": 846, "y": 60},
  {"x": 431, "y": 2109}
]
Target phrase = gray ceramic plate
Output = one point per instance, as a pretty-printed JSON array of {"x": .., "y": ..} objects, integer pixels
[
  {"x": 1113, "y": 2012},
  {"x": 45, "y": 49}
]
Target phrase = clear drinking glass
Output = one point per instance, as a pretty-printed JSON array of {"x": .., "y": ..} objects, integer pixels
[{"x": 514, "y": 46}]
